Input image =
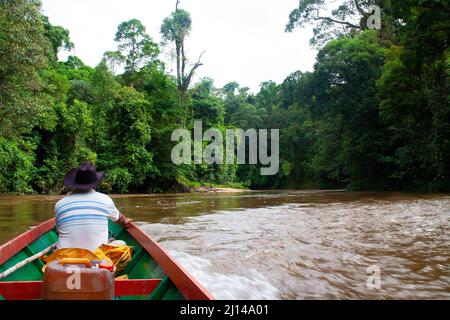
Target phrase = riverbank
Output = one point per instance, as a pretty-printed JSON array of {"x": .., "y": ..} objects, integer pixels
[
  {"x": 186, "y": 186},
  {"x": 212, "y": 189},
  {"x": 185, "y": 190}
]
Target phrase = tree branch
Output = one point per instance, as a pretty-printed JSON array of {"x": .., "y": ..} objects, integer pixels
[
  {"x": 348, "y": 24},
  {"x": 360, "y": 10},
  {"x": 188, "y": 79}
]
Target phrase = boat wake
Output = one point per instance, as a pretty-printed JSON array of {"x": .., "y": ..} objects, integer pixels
[
  {"x": 254, "y": 286},
  {"x": 316, "y": 249}
]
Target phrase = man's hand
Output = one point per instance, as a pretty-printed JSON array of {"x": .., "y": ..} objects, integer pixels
[{"x": 124, "y": 221}]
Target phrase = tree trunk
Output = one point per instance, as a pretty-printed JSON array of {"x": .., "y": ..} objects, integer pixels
[{"x": 179, "y": 79}]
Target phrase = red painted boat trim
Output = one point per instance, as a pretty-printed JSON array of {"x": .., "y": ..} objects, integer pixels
[
  {"x": 189, "y": 287},
  {"x": 11, "y": 248},
  {"x": 31, "y": 290},
  {"x": 135, "y": 287},
  {"x": 21, "y": 290}
]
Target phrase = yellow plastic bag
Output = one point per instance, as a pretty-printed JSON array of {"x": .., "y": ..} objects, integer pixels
[
  {"x": 71, "y": 253},
  {"x": 119, "y": 256}
]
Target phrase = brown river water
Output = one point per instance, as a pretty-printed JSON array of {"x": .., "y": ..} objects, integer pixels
[{"x": 288, "y": 244}]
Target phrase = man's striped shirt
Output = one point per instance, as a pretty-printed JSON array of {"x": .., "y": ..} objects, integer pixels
[{"x": 82, "y": 220}]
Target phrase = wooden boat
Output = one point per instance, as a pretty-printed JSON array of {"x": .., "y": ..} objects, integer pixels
[{"x": 153, "y": 274}]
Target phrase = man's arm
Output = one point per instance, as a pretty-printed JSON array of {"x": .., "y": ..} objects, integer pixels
[{"x": 124, "y": 221}]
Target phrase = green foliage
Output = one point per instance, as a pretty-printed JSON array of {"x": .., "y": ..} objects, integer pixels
[
  {"x": 206, "y": 105},
  {"x": 129, "y": 137},
  {"x": 16, "y": 166},
  {"x": 373, "y": 114},
  {"x": 415, "y": 89},
  {"x": 58, "y": 36},
  {"x": 349, "y": 68},
  {"x": 23, "y": 53},
  {"x": 176, "y": 27},
  {"x": 135, "y": 45},
  {"x": 118, "y": 179}
]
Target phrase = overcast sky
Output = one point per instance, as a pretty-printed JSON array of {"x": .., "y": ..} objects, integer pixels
[{"x": 244, "y": 39}]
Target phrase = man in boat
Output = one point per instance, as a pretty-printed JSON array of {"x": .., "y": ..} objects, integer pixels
[{"x": 82, "y": 216}]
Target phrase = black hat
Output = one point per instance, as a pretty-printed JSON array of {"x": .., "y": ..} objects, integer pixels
[{"x": 85, "y": 177}]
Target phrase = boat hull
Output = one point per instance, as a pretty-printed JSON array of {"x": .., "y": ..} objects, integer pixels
[{"x": 153, "y": 273}]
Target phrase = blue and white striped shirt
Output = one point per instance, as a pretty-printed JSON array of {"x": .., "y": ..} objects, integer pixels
[{"x": 82, "y": 220}]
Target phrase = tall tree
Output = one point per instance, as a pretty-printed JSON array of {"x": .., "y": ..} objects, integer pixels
[
  {"x": 113, "y": 59},
  {"x": 176, "y": 29},
  {"x": 135, "y": 45}
]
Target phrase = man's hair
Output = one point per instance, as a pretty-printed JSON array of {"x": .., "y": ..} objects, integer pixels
[{"x": 80, "y": 191}]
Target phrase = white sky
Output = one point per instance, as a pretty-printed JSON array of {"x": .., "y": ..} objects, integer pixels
[{"x": 244, "y": 39}]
